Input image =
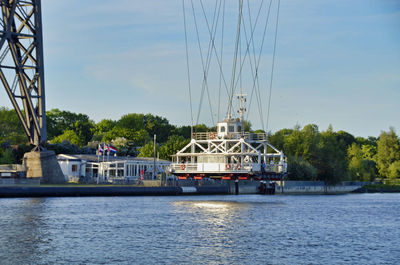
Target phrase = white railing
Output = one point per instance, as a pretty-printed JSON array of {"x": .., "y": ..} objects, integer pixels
[
  {"x": 223, "y": 168},
  {"x": 216, "y": 167},
  {"x": 214, "y": 136},
  {"x": 184, "y": 167}
]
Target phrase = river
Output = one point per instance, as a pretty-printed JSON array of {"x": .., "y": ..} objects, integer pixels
[{"x": 244, "y": 229}]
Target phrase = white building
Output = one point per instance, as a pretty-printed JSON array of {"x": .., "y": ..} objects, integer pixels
[
  {"x": 124, "y": 170},
  {"x": 72, "y": 167}
]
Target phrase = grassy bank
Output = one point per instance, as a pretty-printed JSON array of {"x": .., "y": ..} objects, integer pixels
[{"x": 381, "y": 188}]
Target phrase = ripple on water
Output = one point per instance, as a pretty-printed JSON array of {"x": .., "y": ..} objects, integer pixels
[{"x": 248, "y": 229}]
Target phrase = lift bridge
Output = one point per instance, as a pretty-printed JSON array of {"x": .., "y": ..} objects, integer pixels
[{"x": 21, "y": 64}]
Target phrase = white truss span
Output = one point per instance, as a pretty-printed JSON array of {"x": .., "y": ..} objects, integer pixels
[{"x": 229, "y": 153}]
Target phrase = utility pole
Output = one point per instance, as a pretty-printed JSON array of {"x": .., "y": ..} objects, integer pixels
[{"x": 154, "y": 160}]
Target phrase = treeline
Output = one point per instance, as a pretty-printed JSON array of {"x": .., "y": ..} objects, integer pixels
[
  {"x": 312, "y": 154},
  {"x": 72, "y": 133},
  {"x": 336, "y": 156}
]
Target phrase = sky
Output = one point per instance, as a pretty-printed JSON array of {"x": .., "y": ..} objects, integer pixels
[{"x": 337, "y": 62}]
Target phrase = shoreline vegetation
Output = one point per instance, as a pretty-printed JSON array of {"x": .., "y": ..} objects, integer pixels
[
  {"x": 313, "y": 155},
  {"x": 379, "y": 188}
]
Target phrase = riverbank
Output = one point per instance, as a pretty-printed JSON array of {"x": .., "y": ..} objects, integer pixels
[
  {"x": 378, "y": 188},
  {"x": 185, "y": 188},
  {"x": 106, "y": 190}
]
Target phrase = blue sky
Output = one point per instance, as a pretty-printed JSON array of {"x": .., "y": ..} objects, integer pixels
[{"x": 337, "y": 62}]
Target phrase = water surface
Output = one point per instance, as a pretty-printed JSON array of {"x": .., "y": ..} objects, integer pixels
[{"x": 245, "y": 229}]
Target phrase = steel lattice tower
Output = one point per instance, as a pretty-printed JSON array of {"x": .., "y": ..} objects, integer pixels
[{"x": 21, "y": 64}]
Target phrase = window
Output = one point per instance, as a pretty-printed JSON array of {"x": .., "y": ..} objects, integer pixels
[
  {"x": 239, "y": 128},
  {"x": 74, "y": 168},
  {"x": 231, "y": 128},
  {"x": 222, "y": 129}
]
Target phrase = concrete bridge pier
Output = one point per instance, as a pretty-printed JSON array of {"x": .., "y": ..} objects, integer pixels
[{"x": 43, "y": 164}]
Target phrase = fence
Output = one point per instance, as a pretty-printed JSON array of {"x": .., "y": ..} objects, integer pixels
[{"x": 12, "y": 168}]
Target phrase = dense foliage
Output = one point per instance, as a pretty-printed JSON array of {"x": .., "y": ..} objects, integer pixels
[{"x": 312, "y": 154}]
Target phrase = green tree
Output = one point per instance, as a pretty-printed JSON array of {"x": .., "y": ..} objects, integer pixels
[
  {"x": 68, "y": 136},
  {"x": 303, "y": 143},
  {"x": 131, "y": 126},
  {"x": 11, "y": 129},
  {"x": 183, "y": 131},
  {"x": 361, "y": 167},
  {"x": 6, "y": 156},
  {"x": 345, "y": 139},
  {"x": 156, "y": 125},
  {"x": 173, "y": 145},
  {"x": 65, "y": 147},
  {"x": 58, "y": 121},
  {"x": 332, "y": 159},
  {"x": 19, "y": 151},
  {"x": 83, "y": 130},
  {"x": 139, "y": 137},
  {"x": 388, "y": 152},
  {"x": 147, "y": 150},
  {"x": 370, "y": 140},
  {"x": 201, "y": 128},
  {"x": 369, "y": 151},
  {"x": 300, "y": 169},
  {"x": 124, "y": 146},
  {"x": 102, "y": 127},
  {"x": 394, "y": 170},
  {"x": 293, "y": 142},
  {"x": 310, "y": 140},
  {"x": 246, "y": 126},
  {"x": 132, "y": 122},
  {"x": 278, "y": 139}
]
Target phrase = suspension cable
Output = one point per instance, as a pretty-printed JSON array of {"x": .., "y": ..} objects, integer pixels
[
  {"x": 247, "y": 53},
  {"x": 220, "y": 72},
  {"x": 207, "y": 55},
  {"x": 273, "y": 64},
  {"x": 235, "y": 58},
  {"x": 205, "y": 65},
  {"x": 257, "y": 67},
  {"x": 218, "y": 59},
  {"x": 214, "y": 26},
  {"x": 202, "y": 61},
  {"x": 256, "y": 85},
  {"x": 212, "y": 32},
  {"x": 188, "y": 69}
]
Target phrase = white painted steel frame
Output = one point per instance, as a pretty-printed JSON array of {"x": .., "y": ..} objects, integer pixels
[{"x": 242, "y": 155}]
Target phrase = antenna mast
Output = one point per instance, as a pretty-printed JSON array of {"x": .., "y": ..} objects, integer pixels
[{"x": 242, "y": 105}]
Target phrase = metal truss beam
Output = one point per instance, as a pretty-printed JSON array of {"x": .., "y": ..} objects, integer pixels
[{"x": 21, "y": 64}]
